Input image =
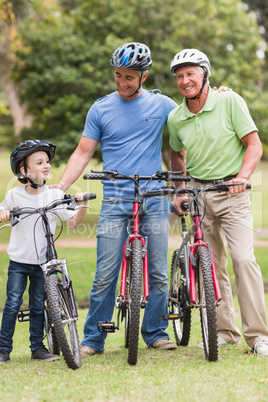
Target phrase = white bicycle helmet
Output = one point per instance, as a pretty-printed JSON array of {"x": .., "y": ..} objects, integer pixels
[{"x": 192, "y": 57}]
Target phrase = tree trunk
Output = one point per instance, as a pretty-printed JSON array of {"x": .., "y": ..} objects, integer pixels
[{"x": 18, "y": 112}]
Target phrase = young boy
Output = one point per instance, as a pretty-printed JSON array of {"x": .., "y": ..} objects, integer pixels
[{"x": 30, "y": 162}]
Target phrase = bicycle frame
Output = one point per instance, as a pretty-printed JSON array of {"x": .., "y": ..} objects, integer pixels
[{"x": 127, "y": 250}]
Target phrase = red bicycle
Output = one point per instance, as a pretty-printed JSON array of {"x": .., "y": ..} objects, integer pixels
[
  {"x": 134, "y": 289},
  {"x": 193, "y": 280}
]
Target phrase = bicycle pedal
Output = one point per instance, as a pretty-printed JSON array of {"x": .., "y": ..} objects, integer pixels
[
  {"x": 24, "y": 315},
  {"x": 106, "y": 326},
  {"x": 173, "y": 316}
]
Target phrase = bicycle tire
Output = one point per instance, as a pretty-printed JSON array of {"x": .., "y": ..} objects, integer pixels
[
  {"x": 134, "y": 301},
  {"x": 207, "y": 304},
  {"x": 52, "y": 342},
  {"x": 63, "y": 322},
  {"x": 181, "y": 326}
]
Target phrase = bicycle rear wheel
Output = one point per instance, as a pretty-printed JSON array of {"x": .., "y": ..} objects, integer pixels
[
  {"x": 133, "y": 314},
  {"x": 207, "y": 304},
  {"x": 63, "y": 322},
  {"x": 52, "y": 342},
  {"x": 181, "y": 326}
]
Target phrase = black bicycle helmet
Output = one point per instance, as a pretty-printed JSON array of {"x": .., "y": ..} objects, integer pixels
[
  {"x": 25, "y": 149},
  {"x": 133, "y": 56}
]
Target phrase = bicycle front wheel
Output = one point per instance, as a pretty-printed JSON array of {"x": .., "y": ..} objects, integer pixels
[
  {"x": 63, "y": 322},
  {"x": 207, "y": 304},
  {"x": 178, "y": 299},
  {"x": 135, "y": 282}
]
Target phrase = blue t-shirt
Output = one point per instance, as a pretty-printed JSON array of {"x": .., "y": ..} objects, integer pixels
[{"x": 130, "y": 136}]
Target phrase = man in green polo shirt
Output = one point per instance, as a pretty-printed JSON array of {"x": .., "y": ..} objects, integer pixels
[{"x": 213, "y": 136}]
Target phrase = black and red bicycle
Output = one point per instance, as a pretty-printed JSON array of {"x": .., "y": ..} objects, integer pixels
[
  {"x": 193, "y": 279},
  {"x": 134, "y": 288}
]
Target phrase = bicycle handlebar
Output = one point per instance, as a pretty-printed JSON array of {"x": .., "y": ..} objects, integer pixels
[
  {"x": 68, "y": 199},
  {"x": 113, "y": 174},
  {"x": 218, "y": 186}
]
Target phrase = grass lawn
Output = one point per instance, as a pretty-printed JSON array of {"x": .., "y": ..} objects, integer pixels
[{"x": 182, "y": 375}]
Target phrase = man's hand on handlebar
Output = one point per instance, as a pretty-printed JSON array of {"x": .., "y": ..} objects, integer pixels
[
  {"x": 237, "y": 189},
  {"x": 177, "y": 205}
]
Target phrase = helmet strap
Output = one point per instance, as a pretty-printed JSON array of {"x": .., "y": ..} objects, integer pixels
[
  {"x": 201, "y": 90},
  {"x": 138, "y": 86},
  {"x": 35, "y": 185}
]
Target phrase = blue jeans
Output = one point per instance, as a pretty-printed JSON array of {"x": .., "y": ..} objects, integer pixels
[
  {"x": 16, "y": 285},
  {"x": 115, "y": 216}
]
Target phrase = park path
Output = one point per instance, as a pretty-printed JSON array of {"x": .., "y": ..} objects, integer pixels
[{"x": 260, "y": 240}]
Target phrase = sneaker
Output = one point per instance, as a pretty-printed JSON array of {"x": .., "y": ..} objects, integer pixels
[
  {"x": 221, "y": 342},
  {"x": 164, "y": 344},
  {"x": 43, "y": 354},
  {"x": 4, "y": 357},
  {"x": 261, "y": 348},
  {"x": 88, "y": 351}
]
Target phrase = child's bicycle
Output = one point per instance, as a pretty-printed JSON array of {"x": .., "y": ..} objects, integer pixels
[
  {"x": 60, "y": 315},
  {"x": 134, "y": 289},
  {"x": 193, "y": 281}
]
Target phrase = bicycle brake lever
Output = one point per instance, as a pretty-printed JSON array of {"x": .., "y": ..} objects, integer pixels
[
  {"x": 13, "y": 220},
  {"x": 221, "y": 186},
  {"x": 72, "y": 204}
]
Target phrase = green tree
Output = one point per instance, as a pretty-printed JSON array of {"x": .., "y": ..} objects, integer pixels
[
  {"x": 12, "y": 113},
  {"x": 63, "y": 66},
  {"x": 261, "y": 8}
]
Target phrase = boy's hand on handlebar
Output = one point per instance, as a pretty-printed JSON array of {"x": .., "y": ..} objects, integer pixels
[
  {"x": 177, "y": 205},
  {"x": 237, "y": 189},
  {"x": 80, "y": 196},
  {"x": 4, "y": 215}
]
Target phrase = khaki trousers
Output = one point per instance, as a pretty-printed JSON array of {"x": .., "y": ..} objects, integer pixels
[{"x": 229, "y": 220}]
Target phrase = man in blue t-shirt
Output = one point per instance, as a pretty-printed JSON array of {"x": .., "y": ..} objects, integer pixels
[{"x": 128, "y": 124}]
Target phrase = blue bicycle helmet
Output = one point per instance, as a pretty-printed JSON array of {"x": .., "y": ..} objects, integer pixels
[{"x": 132, "y": 56}]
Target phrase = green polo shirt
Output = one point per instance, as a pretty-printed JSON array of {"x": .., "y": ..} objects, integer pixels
[{"x": 212, "y": 136}]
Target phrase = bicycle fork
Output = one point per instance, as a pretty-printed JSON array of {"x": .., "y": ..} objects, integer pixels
[
  {"x": 126, "y": 257},
  {"x": 200, "y": 243},
  {"x": 60, "y": 266}
]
